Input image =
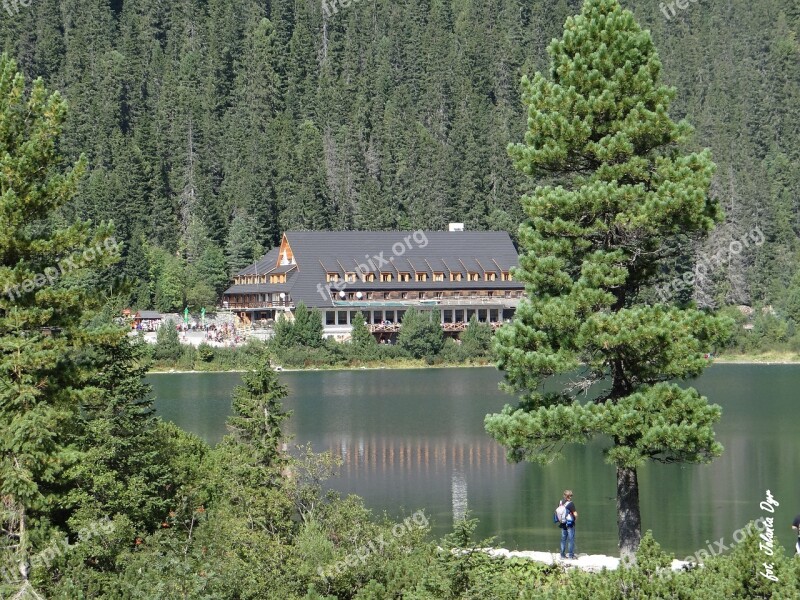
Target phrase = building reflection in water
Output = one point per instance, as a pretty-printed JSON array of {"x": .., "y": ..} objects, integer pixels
[{"x": 383, "y": 455}]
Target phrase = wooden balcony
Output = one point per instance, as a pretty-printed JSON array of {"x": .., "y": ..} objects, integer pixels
[{"x": 255, "y": 305}]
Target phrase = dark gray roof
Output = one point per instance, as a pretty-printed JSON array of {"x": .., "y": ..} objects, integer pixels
[
  {"x": 265, "y": 265},
  {"x": 316, "y": 252},
  {"x": 148, "y": 314}
]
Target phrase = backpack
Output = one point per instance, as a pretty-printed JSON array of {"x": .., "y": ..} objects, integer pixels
[{"x": 562, "y": 516}]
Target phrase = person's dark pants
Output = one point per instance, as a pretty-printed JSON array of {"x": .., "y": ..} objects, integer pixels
[{"x": 568, "y": 533}]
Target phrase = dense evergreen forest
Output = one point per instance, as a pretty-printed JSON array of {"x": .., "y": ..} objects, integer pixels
[{"x": 211, "y": 126}]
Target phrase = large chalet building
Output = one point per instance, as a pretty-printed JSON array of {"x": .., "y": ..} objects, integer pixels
[{"x": 381, "y": 274}]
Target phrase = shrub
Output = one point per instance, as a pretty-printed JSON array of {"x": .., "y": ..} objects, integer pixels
[
  {"x": 205, "y": 352},
  {"x": 421, "y": 334}
]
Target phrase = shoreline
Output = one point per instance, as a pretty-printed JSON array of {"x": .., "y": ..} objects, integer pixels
[
  {"x": 592, "y": 563},
  {"x": 766, "y": 360}
]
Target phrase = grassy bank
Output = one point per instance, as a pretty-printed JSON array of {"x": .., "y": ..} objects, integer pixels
[{"x": 777, "y": 357}]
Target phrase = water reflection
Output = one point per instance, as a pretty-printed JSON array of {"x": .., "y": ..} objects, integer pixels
[{"x": 413, "y": 440}]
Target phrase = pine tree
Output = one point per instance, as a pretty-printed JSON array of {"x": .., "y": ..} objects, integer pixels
[
  {"x": 41, "y": 307},
  {"x": 592, "y": 244}
]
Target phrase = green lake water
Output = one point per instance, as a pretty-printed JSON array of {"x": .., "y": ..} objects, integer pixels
[{"x": 414, "y": 440}]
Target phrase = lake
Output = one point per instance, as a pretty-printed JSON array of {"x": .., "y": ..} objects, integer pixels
[{"x": 414, "y": 440}]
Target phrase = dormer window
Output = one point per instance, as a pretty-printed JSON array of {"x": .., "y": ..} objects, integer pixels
[
  {"x": 405, "y": 277},
  {"x": 385, "y": 277},
  {"x": 490, "y": 276},
  {"x": 278, "y": 278},
  {"x": 473, "y": 277},
  {"x": 455, "y": 276},
  {"x": 332, "y": 277},
  {"x": 369, "y": 277},
  {"x": 506, "y": 276},
  {"x": 350, "y": 277},
  {"x": 422, "y": 277},
  {"x": 438, "y": 276}
]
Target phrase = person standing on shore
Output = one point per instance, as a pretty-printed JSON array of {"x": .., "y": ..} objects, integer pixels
[{"x": 567, "y": 525}]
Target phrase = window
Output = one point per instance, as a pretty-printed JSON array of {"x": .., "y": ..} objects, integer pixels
[
  {"x": 332, "y": 277},
  {"x": 455, "y": 276},
  {"x": 438, "y": 276},
  {"x": 456, "y": 294},
  {"x": 385, "y": 295},
  {"x": 508, "y": 294},
  {"x": 370, "y": 295},
  {"x": 369, "y": 277},
  {"x": 386, "y": 277},
  {"x": 439, "y": 295},
  {"x": 405, "y": 277},
  {"x": 422, "y": 295},
  {"x": 280, "y": 278},
  {"x": 422, "y": 277},
  {"x": 490, "y": 294},
  {"x": 473, "y": 277},
  {"x": 351, "y": 295},
  {"x": 330, "y": 317},
  {"x": 490, "y": 276},
  {"x": 404, "y": 295},
  {"x": 350, "y": 277},
  {"x": 507, "y": 276},
  {"x": 342, "y": 317}
]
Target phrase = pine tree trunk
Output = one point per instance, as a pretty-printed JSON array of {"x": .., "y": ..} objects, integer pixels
[{"x": 629, "y": 519}]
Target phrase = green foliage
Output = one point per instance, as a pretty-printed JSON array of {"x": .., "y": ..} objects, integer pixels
[
  {"x": 421, "y": 334},
  {"x": 307, "y": 326},
  {"x": 363, "y": 342},
  {"x": 41, "y": 307},
  {"x": 205, "y": 352},
  {"x": 476, "y": 339},
  {"x": 305, "y": 329},
  {"x": 258, "y": 414},
  {"x": 168, "y": 343},
  {"x": 592, "y": 245}
]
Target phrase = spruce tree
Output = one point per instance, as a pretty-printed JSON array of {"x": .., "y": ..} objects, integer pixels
[
  {"x": 362, "y": 339},
  {"x": 599, "y": 130},
  {"x": 258, "y": 414},
  {"x": 124, "y": 469}
]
